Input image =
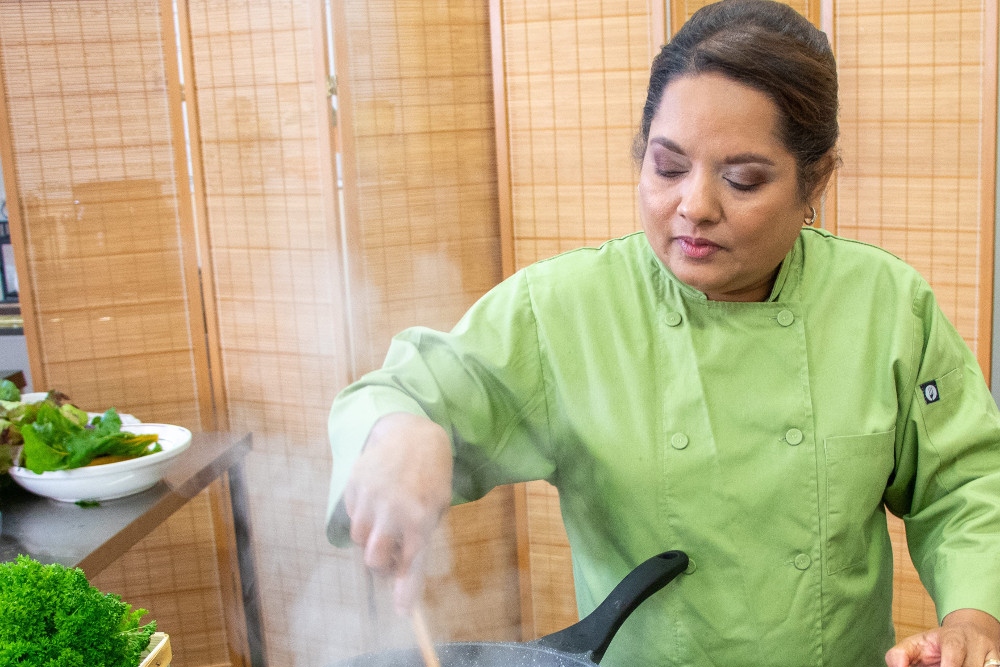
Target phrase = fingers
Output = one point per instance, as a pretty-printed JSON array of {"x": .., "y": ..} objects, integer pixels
[
  {"x": 388, "y": 547},
  {"x": 969, "y": 638},
  {"x": 389, "y": 551},
  {"x": 954, "y": 651},
  {"x": 409, "y": 587},
  {"x": 945, "y": 647},
  {"x": 921, "y": 649},
  {"x": 398, "y": 491}
]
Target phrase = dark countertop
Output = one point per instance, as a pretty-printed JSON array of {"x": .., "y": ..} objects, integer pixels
[{"x": 92, "y": 538}]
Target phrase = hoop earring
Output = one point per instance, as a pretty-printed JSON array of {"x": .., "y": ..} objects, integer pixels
[{"x": 810, "y": 220}]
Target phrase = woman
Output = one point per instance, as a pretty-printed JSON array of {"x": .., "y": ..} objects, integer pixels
[{"x": 730, "y": 382}]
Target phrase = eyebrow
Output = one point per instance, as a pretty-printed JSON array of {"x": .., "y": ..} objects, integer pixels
[{"x": 739, "y": 158}]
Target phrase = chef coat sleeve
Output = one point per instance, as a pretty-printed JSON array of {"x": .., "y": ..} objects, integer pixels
[
  {"x": 946, "y": 485},
  {"x": 482, "y": 382}
]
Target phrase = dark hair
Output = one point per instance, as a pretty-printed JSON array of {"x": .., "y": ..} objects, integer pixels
[{"x": 770, "y": 47}]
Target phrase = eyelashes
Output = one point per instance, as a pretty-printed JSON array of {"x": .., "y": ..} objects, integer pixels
[
  {"x": 738, "y": 185},
  {"x": 743, "y": 187}
]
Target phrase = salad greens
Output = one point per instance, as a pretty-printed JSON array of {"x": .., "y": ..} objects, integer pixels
[
  {"x": 50, "y": 616},
  {"x": 56, "y": 435},
  {"x": 9, "y": 391}
]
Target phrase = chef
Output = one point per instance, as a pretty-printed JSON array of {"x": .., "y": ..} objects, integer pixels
[{"x": 731, "y": 381}]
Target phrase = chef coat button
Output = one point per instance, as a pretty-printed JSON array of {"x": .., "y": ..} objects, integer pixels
[
  {"x": 672, "y": 319},
  {"x": 692, "y": 566},
  {"x": 785, "y": 318},
  {"x": 803, "y": 561},
  {"x": 793, "y": 436},
  {"x": 679, "y": 441}
]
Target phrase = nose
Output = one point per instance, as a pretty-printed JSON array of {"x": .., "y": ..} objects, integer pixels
[{"x": 699, "y": 202}]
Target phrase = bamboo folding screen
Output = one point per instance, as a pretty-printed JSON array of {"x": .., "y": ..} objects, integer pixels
[
  {"x": 260, "y": 228},
  {"x": 918, "y": 137},
  {"x": 416, "y": 125},
  {"x": 273, "y": 279},
  {"x": 99, "y": 216},
  {"x": 420, "y": 184},
  {"x": 573, "y": 82}
]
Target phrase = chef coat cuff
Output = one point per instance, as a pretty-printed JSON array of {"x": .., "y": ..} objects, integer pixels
[
  {"x": 967, "y": 581},
  {"x": 351, "y": 420}
]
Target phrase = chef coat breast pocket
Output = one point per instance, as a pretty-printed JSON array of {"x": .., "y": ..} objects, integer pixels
[{"x": 857, "y": 470}]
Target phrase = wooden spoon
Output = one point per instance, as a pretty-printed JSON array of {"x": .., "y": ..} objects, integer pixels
[{"x": 424, "y": 640}]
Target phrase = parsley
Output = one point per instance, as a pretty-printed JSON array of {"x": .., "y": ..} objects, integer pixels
[{"x": 50, "y": 616}]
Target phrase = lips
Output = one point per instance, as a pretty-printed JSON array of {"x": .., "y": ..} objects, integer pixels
[{"x": 697, "y": 248}]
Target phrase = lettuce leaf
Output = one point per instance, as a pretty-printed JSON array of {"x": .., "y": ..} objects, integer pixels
[
  {"x": 9, "y": 391},
  {"x": 56, "y": 440}
]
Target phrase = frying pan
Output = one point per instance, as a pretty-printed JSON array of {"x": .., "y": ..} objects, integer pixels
[{"x": 580, "y": 645}]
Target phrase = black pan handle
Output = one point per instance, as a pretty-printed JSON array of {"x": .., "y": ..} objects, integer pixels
[{"x": 592, "y": 635}]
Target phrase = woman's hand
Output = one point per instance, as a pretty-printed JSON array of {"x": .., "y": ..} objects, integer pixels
[
  {"x": 966, "y": 638},
  {"x": 399, "y": 489}
]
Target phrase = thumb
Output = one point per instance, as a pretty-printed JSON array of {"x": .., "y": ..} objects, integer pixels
[
  {"x": 910, "y": 651},
  {"x": 897, "y": 657}
]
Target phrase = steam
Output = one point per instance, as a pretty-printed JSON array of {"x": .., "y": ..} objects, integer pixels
[{"x": 320, "y": 604}]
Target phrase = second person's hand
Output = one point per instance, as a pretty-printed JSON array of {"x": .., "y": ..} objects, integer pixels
[{"x": 399, "y": 489}]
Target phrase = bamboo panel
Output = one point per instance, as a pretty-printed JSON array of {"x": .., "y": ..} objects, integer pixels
[
  {"x": 918, "y": 147},
  {"x": 552, "y": 589},
  {"x": 681, "y": 10},
  {"x": 420, "y": 174},
  {"x": 474, "y": 576},
  {"x": 268, "y": 201},
  {"x": 182, "y": 596},
  {"x": 914, "y": 87},
  {"x": 90, "y": 159},
  {"x": 572, "y": 86},
  {"x": 417, "y": 126},
  {"x": 574, "y": 80}
]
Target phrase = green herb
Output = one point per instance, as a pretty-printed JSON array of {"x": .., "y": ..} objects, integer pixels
[
  {"x": 50, "y": 616},
  {"x": 88, "y": 503}
]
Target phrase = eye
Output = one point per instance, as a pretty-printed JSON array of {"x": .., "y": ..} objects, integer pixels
[
  {"x": 670, "y": 173},
  {"x": 742, "y": 187}
]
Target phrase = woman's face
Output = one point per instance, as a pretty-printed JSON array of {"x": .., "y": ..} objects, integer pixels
[{"x": 718, "y": 192}]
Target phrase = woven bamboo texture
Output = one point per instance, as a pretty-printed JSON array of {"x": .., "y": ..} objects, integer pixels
[
  {"x": 417, "y": 133},
  {"x": 106, "y": 291}
]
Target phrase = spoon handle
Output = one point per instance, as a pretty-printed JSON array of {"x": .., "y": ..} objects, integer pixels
[{"x": 424, "y": 639}]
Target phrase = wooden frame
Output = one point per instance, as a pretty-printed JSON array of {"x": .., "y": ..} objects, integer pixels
[
  {"x": 197, "y": 294},
  {"x": 507, "y": 261},
  {"x": 19, "y": 240},
  {"x": 349, "y": 225},
  {"x": 195, "y": 224},
  {"x": 988, "y": 201},
  {"x": 201, "y": 304}
]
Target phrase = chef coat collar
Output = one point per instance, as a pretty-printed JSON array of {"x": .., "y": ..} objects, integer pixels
[{"x": 789, "y": 274}]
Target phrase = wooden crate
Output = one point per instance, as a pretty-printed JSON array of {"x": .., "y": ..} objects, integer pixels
[{"x": 157, "y": 654}]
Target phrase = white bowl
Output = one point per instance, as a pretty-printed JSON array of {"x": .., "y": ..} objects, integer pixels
[{"x": 109, "y": 480}]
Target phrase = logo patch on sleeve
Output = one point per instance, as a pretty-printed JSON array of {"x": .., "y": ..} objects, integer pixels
[{"x": 930, "y": 391}]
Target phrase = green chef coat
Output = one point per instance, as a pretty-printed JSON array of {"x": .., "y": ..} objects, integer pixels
[{"x": 766, "y": 440}]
